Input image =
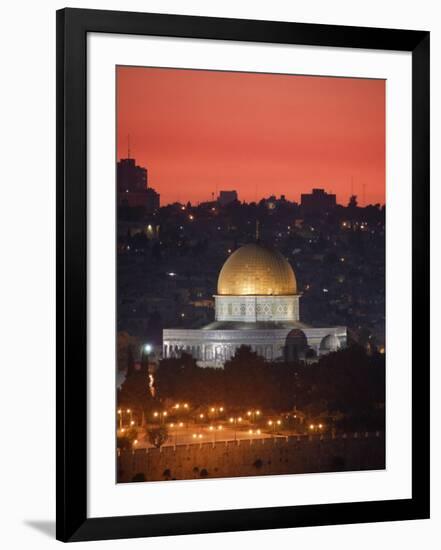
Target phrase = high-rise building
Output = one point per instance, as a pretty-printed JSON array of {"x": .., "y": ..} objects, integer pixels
[
  {"x": 226, "y": 197},
  {"x": 130, "y": 177},
  {"x": 318, "y": 201},
  {"x": 132, "y": 186}
]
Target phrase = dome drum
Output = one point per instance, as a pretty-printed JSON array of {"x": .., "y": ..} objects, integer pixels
[{"x": 252, "y": 309}]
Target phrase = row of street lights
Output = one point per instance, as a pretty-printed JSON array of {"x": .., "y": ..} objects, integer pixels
[{"x": 251, "y": 414}]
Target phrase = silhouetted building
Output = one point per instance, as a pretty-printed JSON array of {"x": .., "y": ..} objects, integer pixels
[
  {"x": 132, "y": 186},
  {"x": 318, "y": 201},
  {"x": 130, "y": 177},
  {"x": 152, "y": 200},
  {"x": 226, "y": 197}
]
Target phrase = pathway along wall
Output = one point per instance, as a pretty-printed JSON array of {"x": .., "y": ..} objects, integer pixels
[{"x": 291, "y": 455}]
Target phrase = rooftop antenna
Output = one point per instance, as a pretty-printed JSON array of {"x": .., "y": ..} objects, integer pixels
[
  {"x": 128, "y": 146},
  {"x": 352, "y": 186}
]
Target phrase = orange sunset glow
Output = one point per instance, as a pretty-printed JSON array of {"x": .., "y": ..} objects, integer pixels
[{"x": 199, "y": 132}]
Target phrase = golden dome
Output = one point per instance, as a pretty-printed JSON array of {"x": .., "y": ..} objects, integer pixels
[{"x": 255, "y": 269}]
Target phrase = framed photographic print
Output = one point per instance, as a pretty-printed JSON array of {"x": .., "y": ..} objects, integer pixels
[{"x": 242, "y": 274}]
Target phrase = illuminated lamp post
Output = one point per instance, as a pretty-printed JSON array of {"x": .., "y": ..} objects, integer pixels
[
  {"x": 161, "y": 415},
  {"x": 252, "y": 414},
  {"x": 146, "y": 350},
  {"x": 175, "y": 433},
  {"x": 216, "y": 410},
  {"x": 273, "y": 424},
  {"x": 235, "y": 421}
]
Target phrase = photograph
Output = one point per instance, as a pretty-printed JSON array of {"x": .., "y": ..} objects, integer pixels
[
  {"x": 250, "y": 267},
  {"x": 217, "y": 223}
]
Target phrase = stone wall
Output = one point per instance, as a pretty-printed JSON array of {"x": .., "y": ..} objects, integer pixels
[{"x": 290, "y": 455}]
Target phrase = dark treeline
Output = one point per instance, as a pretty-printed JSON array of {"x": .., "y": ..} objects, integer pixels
[{"x": 348, "y": 385}]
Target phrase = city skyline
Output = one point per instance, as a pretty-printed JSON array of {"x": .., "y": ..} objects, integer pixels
[{"x": 201, "y": 132}]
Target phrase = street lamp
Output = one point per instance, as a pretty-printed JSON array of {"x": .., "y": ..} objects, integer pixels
[
  {"x": 252, "y": 414},
  {"x": 213, "y": 430},
  {"x": 148, "y": 348},
  {"x": 216, "y": 410},
  {"x": 273, "y": 424},
  {"x": 235, "y": 421},
  {"x": 176, "y": 426},
  {"x": 160, "y": 415},
  {"x": 316, "y": 427}
]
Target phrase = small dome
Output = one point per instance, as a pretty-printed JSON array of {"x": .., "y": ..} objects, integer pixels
[
  {"x": 330, "y": 343},
  {"x": 256, "y": 270}
]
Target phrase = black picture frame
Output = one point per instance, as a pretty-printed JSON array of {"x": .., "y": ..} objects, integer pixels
[{"x": 72, "y": 28}]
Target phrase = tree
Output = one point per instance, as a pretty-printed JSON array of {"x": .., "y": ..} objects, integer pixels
[
  {"x": 135, "y": 392},
  {"x": 125, "y": 346},
  {"x": 125, "y": 441},
  {"x": 246, "y": 377},
  {"x": 157, "y": 436},
  {"x": 353, "y": 202}
]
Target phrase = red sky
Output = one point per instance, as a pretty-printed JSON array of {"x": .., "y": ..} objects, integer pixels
[{"x": 199, "y": 132}]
